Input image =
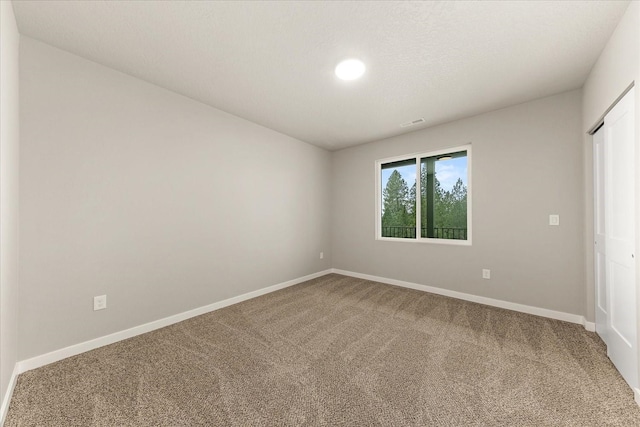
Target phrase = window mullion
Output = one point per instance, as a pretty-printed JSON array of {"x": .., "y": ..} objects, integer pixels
[
  {"x": 430, "y": 195},
  {"x": 418, "y": 201}
]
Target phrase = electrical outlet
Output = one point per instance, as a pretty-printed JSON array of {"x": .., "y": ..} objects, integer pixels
[
  {"x": 486, "y": 274},
  {"x": 99, "y": 302},
  {"x": 321, "y": 255}
]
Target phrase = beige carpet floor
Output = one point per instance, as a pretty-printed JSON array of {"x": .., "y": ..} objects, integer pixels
[{"x": 337, "y": 351}]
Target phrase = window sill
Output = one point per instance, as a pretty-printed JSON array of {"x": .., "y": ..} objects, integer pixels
[{"x": 452, "y": 242}]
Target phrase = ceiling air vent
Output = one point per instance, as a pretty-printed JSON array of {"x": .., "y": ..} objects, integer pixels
[{"x": 411, "y": 123}]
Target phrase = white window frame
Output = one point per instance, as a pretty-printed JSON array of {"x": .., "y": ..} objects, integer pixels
[{"x": 418, "y": 157}]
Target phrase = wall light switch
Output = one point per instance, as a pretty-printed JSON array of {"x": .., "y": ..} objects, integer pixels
[
  {"x": 99, "y": 302},
  {"x": 321, "y": 255},
  {"x": 554, "y": 219},
  {"x": 486, "y": 274}
]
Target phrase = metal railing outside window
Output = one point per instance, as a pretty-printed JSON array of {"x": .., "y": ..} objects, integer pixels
[{"x": 403, "y": 232}]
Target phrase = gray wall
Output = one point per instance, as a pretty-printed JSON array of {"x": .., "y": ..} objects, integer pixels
[
  {"x": 160, "y": 202},
  {"x": 527, "y": 164},
  {"x": 9, "y": 158}
]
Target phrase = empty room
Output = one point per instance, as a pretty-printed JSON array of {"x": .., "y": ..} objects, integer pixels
[{"x": 318, "y": 213}]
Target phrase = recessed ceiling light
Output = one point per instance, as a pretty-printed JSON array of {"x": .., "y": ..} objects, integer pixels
[{"x": 350, "y": 69}]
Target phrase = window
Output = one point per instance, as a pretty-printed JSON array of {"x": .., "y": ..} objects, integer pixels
[{"x": 429, "y": 192}]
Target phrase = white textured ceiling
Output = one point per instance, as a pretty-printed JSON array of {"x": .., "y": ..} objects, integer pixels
[{"x": 272, "y": 62}]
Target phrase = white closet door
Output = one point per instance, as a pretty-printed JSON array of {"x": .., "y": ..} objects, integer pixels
[{"x": 619, "y": 212}]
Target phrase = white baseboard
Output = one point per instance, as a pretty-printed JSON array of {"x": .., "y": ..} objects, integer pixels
[
  {"x": 590, "y": 326},
  {"x": 636, "y": 396},
  {"x": 558, "y": 315},
  {"x": 56, "y": 355},
  {"x": 7, "y": 397}
]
